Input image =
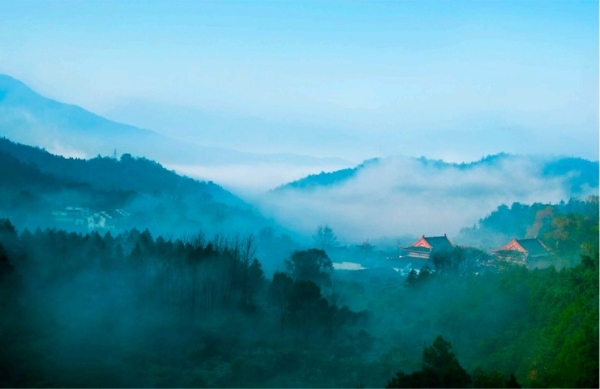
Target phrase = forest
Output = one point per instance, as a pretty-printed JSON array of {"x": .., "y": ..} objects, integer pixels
[
  {"x": 299, "y": 194},
  {"x": 131, "y": 308},
  {"x": 34, "y": 183}
]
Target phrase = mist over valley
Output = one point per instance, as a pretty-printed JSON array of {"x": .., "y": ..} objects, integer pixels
[
  {"x": 164, "y": 280},
  {"x": 299, "y": 194}
]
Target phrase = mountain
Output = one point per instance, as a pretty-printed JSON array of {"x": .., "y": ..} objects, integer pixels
[
  {"x": 35, "y": 185},
  {"x": 580, "y": 174},
  {"x": 234, "y": 130},
  {"x": 326, "y": 178},
  {"x": 399, "y": 195},
  {"x": 29, "y": 118}
]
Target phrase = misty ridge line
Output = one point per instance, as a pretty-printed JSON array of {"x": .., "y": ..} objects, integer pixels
[
  {"x": 549, "y": 166},
  {"x": 40, "y": 187},
  {"x": 379, "y": 179},
  {"x": 30, "y": 118},
  {"x": 70, "y": 130},
  {"x": 364, "y": 202},
  {"x": 261, "y": 194},
  {"x": 400, "y": 195},
  {"x": 150, "y": 301}
]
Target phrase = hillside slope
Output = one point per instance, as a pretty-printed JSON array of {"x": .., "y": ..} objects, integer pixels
[
  {"x": 399, "y": 195},
  {"x": 34, "y": 183},
  {"x": 580, "y": 174}
]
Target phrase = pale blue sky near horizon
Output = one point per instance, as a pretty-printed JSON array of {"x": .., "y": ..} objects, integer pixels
[{"x": 408, "y": 71}]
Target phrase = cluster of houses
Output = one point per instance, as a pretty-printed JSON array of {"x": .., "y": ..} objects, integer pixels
[
  {"x": 83, "y": 219},
  {"x": 518, "y": 251}
]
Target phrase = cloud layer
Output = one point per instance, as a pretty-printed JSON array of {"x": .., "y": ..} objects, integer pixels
[{"x": 399, "y": 196}]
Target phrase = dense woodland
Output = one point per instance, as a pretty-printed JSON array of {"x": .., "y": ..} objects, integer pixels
[
  {"x": 34, "y": 182},
  {"x": 196, "y": 289},
  {"x": 133, "y": 309},
  {"x": 562, "y": 227}
]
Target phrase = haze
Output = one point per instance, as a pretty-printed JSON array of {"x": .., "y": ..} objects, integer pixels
[
  {"x": 231, "y": 194},
  {"x": 398, "y": 196},
  {"x": 353, "y": 80}
]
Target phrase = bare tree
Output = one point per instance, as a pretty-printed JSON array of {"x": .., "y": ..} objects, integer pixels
[
  {"x": 325, "y": 237},
  {"x": 248, "y": 255}
]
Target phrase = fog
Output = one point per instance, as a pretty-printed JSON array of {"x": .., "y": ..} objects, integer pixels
[
  {"x": 400, "y": 195},
  {"x": 251, "y": 180},
  {"x": 193, "y": 287},
  {"x": 117, "y": 272},
  {"x": 138, "y": 310}
]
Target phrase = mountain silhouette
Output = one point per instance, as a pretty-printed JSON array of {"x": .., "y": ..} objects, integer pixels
[{"x": 29, "y": 118}]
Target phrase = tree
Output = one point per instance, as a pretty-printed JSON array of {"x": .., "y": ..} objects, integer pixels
[
  {"x": 459, "y": 260},
  {"x": 440, "y": 370},
  {"x": 311, "y": 265},
  {"x": 248, "y": 251},
  {"x": 325, "y": 237},
  {"x": 279, "y": 294},
  {"x": 440, "y": 363},
  {"x": 416, "y": 379},
  {"x": 254, "y": 282},
  {"x": 5, "y": 265},
  {"x": 416, "y": 279},
  {"x": 307, "y": 309},
  {"x": 488, "y": 379},
  {"x": 412, "y": 279},
  {"x": 512, "y": 382}
]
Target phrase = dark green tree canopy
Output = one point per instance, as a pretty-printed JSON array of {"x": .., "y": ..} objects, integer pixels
[
  {"x": 442, "y": 367},
  {"x": 311, "y": 265},
  {"x": 440, "y": 370}
]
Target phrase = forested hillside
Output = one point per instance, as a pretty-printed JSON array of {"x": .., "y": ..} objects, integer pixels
[
  {"x": 566, "y": 228},
  {"x": 581, "y": 174},
  {"x": 35, "y": 183},
  {"x": 137, "y": 309},
  {"x": 396, "y": 196}
]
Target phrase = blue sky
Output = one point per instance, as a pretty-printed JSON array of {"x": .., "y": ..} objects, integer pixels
[{"x": 453, "y": 80}]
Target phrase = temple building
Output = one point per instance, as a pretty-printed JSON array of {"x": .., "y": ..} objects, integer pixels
[
  {"x": 522, "y": 250},
  {"x": 426, "y": 246}
]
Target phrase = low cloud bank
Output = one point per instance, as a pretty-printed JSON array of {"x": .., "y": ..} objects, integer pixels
[
  {"x": 252, "y": 180},
  {"x": 399, "y": 196}
]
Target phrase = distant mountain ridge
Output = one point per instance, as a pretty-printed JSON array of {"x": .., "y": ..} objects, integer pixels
[
  {"x": 579, "y": 173},
  {"x": 126, "y": 173},
  {"x": 326, "y": 179},
  {"x": 29, "y": 118},
  {"x": 398, "y": 196}
]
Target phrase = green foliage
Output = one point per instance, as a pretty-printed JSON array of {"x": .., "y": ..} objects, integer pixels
[
  {"x": 567, "y": 348},
  {"x": 459, "y": 261},
  {"x": 308, "y": 311},
  {"x": 416, "y": 279},
  {"x": 311, "y": 265},
  {"x": 442, "y": 367},
  {"x": 35, "y": 183},
  {"x": 440, "y": 370},
  {"x": 279, "y": 293},
  {"x": 326, "y": 179},
  {"x": 512, "y": 382},
  {"x": 138, "y": 309},
  {"x": 488, "y": 379},
  {"x": 302, "y": 309},
  {"x": 566, "y": 228}
]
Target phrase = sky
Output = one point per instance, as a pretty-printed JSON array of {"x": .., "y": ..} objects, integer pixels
[{"x": 350, "y": 79}]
